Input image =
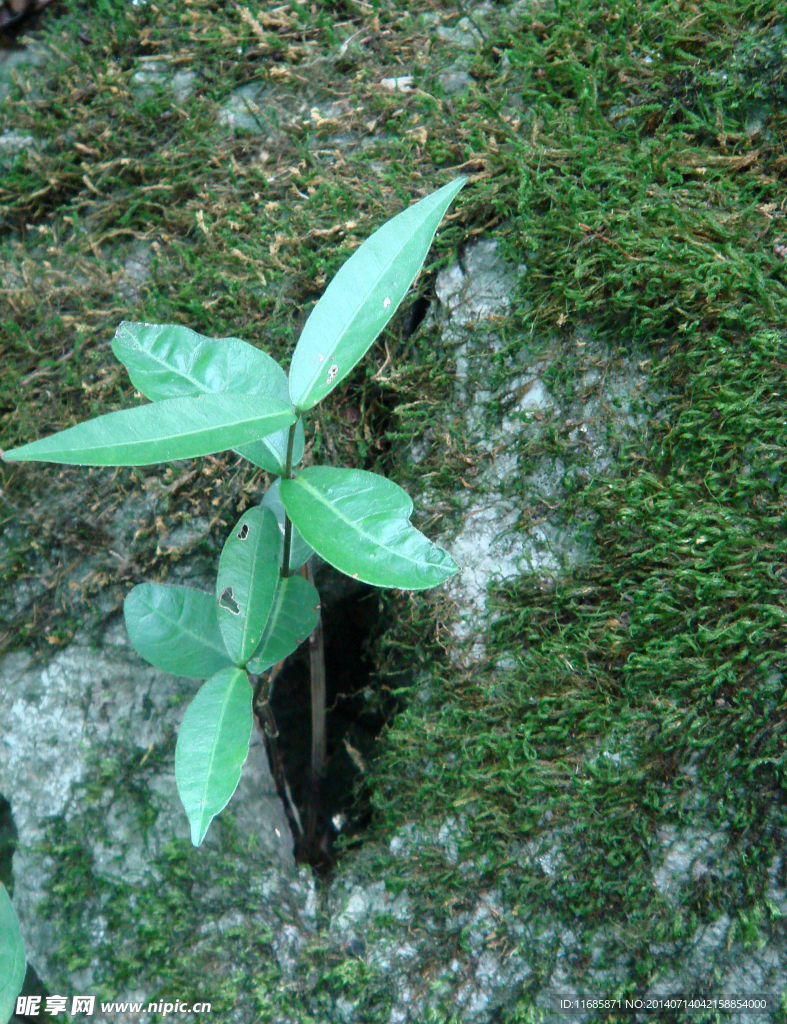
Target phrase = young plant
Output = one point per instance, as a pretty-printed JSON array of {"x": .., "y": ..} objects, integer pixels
[{"x": 211, "y": 394}]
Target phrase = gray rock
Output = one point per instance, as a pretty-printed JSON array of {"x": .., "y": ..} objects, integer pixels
[
  {"x": 136, "y": 271},
  {"x": 95, "y": 719},
  {"x": 245, "y": 108},
  {"x": 470, "y": 295},
  {"x": 454, "y": 82},
  {"x": 464, "y": 35},
  {"x": 16, "y": 62},
  {"x": 12, "y": 142},
  {"x": 180, "y": 84}
]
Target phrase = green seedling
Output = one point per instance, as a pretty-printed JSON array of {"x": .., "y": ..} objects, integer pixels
[{"x": 212, "y": 394}]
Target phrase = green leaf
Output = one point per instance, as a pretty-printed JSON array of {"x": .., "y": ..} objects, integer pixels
[
  {"x": 270, "y": 453},
  {"x": 213, "y": 743},
  {"x": 176, "y": 629},
  {"x": 295, "y": 612},
  {"x": 300, "y": 551},
  {"x": 362, "y": 298},
  {"x": 246, "y": 581},
  {"x": 359, "y": 523},
  {"x": 12, "y": 957},
  {"x": 176, "y": 428},
  {"x": 169, "y": 361}
]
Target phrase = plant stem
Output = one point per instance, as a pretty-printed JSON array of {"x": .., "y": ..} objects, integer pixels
[
  {"x": 287, "y": 475},
  {"x": 261, "y": 704},
  {"x": 317, "y": 667},
  {"x": 317, "y": 671}
]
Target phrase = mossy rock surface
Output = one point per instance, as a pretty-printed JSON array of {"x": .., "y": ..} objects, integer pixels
[{"x": 580, "y": 786}]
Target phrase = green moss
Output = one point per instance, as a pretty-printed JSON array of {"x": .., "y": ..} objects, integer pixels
[{"x": 155, "y": 923}]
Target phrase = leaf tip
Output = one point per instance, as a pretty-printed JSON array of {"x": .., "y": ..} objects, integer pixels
[{"x": 198, "y": 831}]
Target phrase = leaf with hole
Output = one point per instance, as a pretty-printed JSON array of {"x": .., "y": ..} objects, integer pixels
[
  {"x": 362, "y": 298},
  {"x": 359, "y": 523},
  {"x": 176, "y": 629},
  {"x": 295, "y": 613},
  {"x": 175, "y": 428},
  {"x": 213, "y": 743},
  {"x": 170, "y": 361},
  {"x": 12, "y": 957},
  {"x": 246, "y": 581}
]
